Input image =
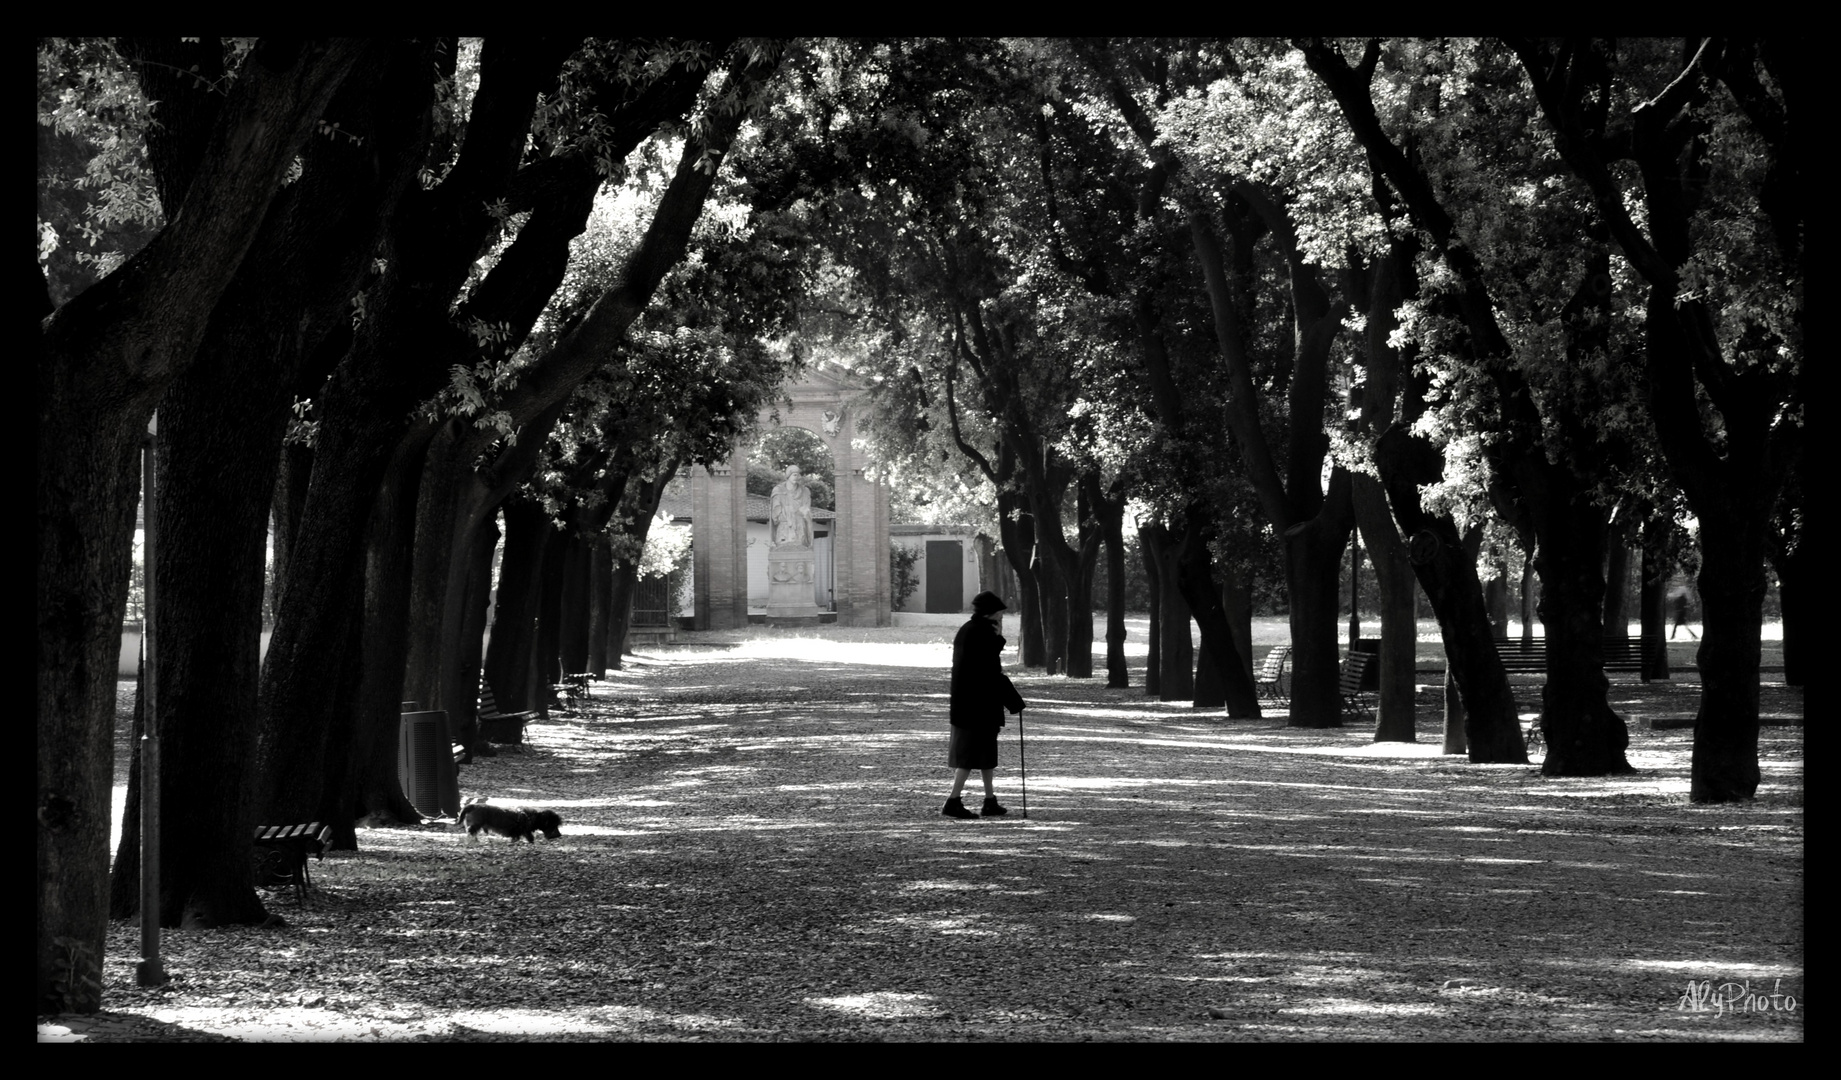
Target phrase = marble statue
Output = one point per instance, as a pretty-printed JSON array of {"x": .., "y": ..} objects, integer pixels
[{"x": 790, "y": 511}]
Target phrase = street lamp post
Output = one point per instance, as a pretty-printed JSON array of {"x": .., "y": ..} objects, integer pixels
[{"x": 149, "y": 972}]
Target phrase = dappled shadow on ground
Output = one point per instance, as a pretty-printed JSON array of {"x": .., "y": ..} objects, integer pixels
[{"x": 753, "y": 851}]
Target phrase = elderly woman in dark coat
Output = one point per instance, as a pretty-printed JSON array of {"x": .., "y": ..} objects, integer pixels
[{"x": 980, "y": 694}]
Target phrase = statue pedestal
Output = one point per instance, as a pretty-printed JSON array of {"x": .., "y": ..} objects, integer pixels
[{"x": 791, "y": 572}]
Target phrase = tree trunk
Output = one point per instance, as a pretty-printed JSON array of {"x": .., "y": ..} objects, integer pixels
[
  {"x": 363, "y": 420},
  {"x": 1313, "y": 572},
  {"x": 1176, "y": 659},
  {"x": 620, "y": 611},
  {"x": 1210, "y": 691},
  {"x": 317, "y": 621},
  {"x": 1522, "y": 476},
  {"x": 1448, "y": 575},
  {"x": 1527, "y": 595},
  {"x": 1177, "y": 678},
  {"x": 644, "y": 497},
  {"x": 1080, "y": 617},
  {"x": 1476, "y": 691},
  {"x": 1080, "y": 587},
  {"x": 216, "y": 474},
  {"x": 373, "y": 789},
  {"x": 290, "y": 495},
  {"x": 1496, "y": 600},
  {"x": 1393, "y": 570},
  {"x": 1150, "y": 552},
  {"x": 1584, "y": 736},
  {"x": 1617, "y": 587},
  {"x": 454, "y": 525},
  {"x": 1387, "y": 372},
  {"x": 1053, "y": 571},
  {"x": 577, "y": 602},
  {"x": 1734, "y": 496},
  {"x": 1732, "y": 585},
  {"x": 514, "y": 619},
  {"x": 1457, "y": 718},
  {"x": 125, "y": 874},
  {"x": 1231, "y": 685},
  {"x": 1017, "y": 529},
  {"x": 443, "y": 535},
  {"x": 1032, "y": 650},
  {"x": 1652, "y": 600},
  {"x": 1237, "y": 604},
  {"x": 337, "y": 786},
  {"x": 455, "y": 495},
  {"x": 1112, "y": 526},
  {"x": 600, "y": 597},
  {"x": 320, "y": 611},
  {"x": 469, "y": 651},
  {"x": 1790, "y": 557}
]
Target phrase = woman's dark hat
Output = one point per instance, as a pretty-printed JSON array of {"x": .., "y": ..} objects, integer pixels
[{"x": 986, "y": 602}]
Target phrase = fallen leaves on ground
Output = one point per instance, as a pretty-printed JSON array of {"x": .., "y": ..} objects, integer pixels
[{"x": 753, "y": 850}]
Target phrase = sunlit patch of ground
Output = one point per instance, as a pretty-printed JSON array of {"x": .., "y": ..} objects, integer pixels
[{"x": 882, "y": 1005}]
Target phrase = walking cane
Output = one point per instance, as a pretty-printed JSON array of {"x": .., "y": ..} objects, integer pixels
[{"x": 1022, "y": 764}]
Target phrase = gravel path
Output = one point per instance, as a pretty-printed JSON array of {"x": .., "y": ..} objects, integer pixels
[{"x": 753, "y": 851}]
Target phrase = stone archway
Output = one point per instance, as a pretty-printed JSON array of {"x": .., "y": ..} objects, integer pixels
[{"x": 825, "y": 401}]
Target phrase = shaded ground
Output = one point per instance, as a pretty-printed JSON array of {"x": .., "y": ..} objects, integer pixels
[{"x": 753, "y": 851}]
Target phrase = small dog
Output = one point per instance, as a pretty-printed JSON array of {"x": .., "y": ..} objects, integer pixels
[{"x": 479, "y": 815}]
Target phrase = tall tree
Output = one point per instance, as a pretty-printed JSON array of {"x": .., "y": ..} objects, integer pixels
[
  {"x": 104, "y": 358},
  {"x": 682, "y": 387},
  {"x": 1104, "y": 506},
  {"x": 1538, "y": 471},
  {"x": 1715, "y": 134},
  {"x": 1480, "y": 715},
  {"x": 220, "y": 436},
  {"x": 399, "y": 356},
  {"x": 514, "y": 290},
  {"x": 931, "y": 235},
  {"x": 1396, "y": 710},
  {"x": 1106, "y": 235},
  {"x": 507, "y": 423},
  {"x": 1313, "y": 524},
  {"x": 1218, "y": 192}
]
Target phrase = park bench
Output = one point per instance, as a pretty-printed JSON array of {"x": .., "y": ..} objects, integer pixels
[
  {"x": 1529, "y": 657},
  {"x": 281, "y": 854},
  {"x": 579, "y": 686},
  {"x": 496, "y": 726},
  {"x": 1354, "y": 672},
  {"x": 1270, "y": 681}
]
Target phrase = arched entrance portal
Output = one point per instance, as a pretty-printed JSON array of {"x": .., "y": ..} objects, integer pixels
[{"x": 825, "y": 402}]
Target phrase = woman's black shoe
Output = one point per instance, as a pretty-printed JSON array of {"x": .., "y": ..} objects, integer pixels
[
  {"x": 956, "y": 809},
  {"x": 991, "y": 809}
]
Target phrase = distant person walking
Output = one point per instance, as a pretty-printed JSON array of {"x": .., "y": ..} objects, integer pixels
[
  {"x": 1680, "y": 602},
  {"x": 980, "y": 693}
]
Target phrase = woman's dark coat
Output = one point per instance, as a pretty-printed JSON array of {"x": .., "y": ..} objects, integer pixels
[{"x": 980, "y": 689}]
